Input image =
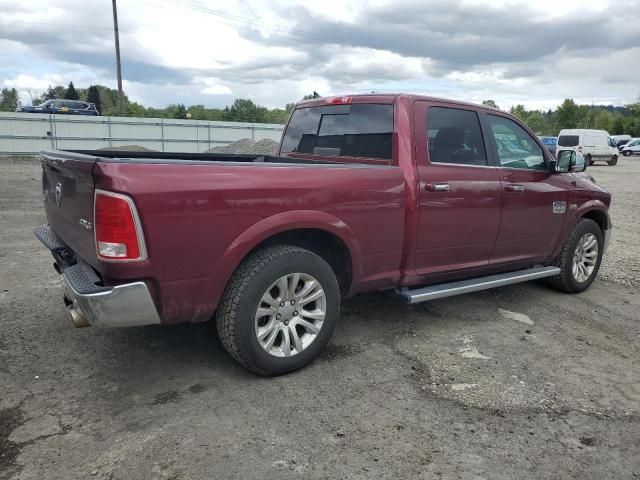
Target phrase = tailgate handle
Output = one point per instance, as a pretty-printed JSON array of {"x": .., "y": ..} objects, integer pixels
[{"x": 437, "y": 187}]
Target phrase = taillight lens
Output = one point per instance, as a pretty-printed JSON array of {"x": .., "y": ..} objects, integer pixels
[{"x": 117, "y": 227}]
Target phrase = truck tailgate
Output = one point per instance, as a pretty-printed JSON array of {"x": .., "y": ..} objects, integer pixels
[{"x": 67, "y": 188}]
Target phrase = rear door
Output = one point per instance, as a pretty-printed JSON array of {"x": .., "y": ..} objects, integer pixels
[
  {"x": 459, "y": 192},
  {"x": 534, "y": 200}
]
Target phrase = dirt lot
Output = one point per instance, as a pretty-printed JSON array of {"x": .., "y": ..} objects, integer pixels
[{"x": 520, "y": 382}]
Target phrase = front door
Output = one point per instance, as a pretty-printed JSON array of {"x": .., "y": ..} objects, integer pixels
[
  {"x": 534, "y": 200},
  {"x": 459, "y": 199}
]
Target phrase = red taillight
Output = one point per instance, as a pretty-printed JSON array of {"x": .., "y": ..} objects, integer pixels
[
  {"x": 340, "y": 100},
  {"x": 117, "y": 227}
]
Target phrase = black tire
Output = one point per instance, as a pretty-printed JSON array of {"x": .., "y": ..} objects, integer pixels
[
  {"x": 565, "y": 281},
  {"x": 613, "y": 161},
  {"x": 235, "y": 317},
  {"x": 627, "y": 153},
  {"x": 587, "y": 160}
]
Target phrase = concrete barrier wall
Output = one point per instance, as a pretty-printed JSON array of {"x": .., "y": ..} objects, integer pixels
[{"x": 29, "y": 133}]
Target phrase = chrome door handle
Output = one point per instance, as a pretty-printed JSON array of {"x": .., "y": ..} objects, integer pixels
[
  {"x": 514, "y": 188},
  {"x": 437, "y": 187}
]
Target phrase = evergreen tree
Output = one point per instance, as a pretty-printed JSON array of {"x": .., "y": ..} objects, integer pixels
[
  {"x": 71, "y": 93},
  {"x": 9, "y": 100},
  {"x": 93, "y": 96}
]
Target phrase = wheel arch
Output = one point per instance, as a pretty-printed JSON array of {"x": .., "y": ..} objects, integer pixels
[{"x": 319, "y": 232}]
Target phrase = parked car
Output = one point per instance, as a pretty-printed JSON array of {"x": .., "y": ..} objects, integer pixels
[
  {"x": 632, "y": 147},
  {"x": 620, "y": 140},
  {"x": 595, "y": 145},
  {"x": 422, "y": 197},
  {"x": 71, "y": 107},
  {"x": 550, "y": 143}
]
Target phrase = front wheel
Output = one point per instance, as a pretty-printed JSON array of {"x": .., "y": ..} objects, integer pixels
[
  {"x": 588, "y": 160},
  {"x": 279, "y": 310},
  {"x": 613, "y": 161},
  {"x": 580, "y": 258},
  {"x": 626, "y": 153}
]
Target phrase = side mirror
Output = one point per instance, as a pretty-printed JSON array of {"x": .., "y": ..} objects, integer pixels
[{"x": 568, "y": 161}]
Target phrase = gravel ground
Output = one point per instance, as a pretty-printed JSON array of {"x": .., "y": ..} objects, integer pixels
[
  {"x": 248, "y": 146},
  {"x": 519, "y": 382}
]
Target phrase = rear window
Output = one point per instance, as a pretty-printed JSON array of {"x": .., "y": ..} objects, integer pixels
[
  {"x": 549, "y": 140},
  {"x": 568, "y": 140},
  {"x": 364, "y": 130}
]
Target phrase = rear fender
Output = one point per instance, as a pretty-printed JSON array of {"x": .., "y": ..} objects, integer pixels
[{"x": 268, "y": 227}]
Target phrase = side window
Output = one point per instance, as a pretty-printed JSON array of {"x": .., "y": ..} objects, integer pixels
[
  {"x": 454, "y": 136},
  {"x": 516, "y": 148},
  {"x": 56, "y": 104}
]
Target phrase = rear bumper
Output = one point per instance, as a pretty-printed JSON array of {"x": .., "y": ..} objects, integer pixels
[{"x": 89, "y": 303}]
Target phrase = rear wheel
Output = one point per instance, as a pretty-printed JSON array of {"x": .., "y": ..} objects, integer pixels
[
  {"x": 279, "y": 310},
  {"x": 613, "y": 161},
  {"x": 580, "y": 258},
  {"x": 588, "y": 160}
]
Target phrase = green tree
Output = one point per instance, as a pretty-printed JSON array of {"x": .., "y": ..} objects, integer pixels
[
  {"x": 490, "y": 103},
  {"x": 93, "y": 96},
  {"x": 53, "y": 92},
  {"x": 9, "y": 100},
  {"x": 538, "y": 123},
  {"x": 567, "y": 115},
  {"x": 244, "y": 110},
  {"x": 617, "y": 127},
  {"x": 71, "y": 93},
  {"x": 603, "y": 121},
  {"x": 519, "y": 111}
]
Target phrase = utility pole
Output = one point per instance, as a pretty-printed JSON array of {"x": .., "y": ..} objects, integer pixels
[{"x": 118, "y": 67}]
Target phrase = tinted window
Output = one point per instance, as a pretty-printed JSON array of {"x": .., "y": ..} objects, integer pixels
[
  {"x": 568, "y": 140},
  {"x": 455, "y": 137},
  {"x": 343, "y": 130},
  {"x": 516, "y": 148},
  {"x": 549, "y": 140}
]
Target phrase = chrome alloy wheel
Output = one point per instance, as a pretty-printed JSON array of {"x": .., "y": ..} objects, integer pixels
[
  {"x": 290, "y": 314},
  {"x": 585, "y": 257}
]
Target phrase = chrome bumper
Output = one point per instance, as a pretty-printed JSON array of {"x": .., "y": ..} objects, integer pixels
[
  {"x": 127, "y": 305},
  {"x": 90, "y": 303}
]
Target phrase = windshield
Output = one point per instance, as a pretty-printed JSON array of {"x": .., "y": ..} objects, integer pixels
[{"x": 363, "y": 130}]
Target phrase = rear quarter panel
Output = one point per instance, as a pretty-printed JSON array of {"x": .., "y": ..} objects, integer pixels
[{"x": 201, "y": 220}]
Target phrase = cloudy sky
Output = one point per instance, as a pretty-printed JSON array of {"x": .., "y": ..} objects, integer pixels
[{"x": 212, "y": 51}]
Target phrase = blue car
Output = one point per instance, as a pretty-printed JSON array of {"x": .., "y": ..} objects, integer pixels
[
  {"x": 58, "y": 106},
  {"x": 550, "y": 142}
]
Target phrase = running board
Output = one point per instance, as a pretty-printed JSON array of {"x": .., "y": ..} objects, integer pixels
[{"x": 433, "y": 292}]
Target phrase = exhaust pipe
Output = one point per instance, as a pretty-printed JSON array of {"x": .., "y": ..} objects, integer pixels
[{"x": 79, "y": 320}]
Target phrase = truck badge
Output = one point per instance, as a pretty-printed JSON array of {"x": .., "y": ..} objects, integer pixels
[{"x": 559, "y": 207}]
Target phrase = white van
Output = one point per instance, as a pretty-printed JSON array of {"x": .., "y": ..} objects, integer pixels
[{"x": 595, "y": 145}]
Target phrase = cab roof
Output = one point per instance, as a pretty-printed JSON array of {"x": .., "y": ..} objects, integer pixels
[{"x": 385, "y": 98}]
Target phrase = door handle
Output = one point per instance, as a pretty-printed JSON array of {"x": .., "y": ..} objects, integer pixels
[
  {"x": 514, "y": 188},
  {"x": 437, "y": 187}
]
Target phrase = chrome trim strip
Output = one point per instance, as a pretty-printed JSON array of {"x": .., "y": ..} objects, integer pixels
[
  {"x": 136, "y": 220},
  {"x": 127, "y": 305},
  {"x": 450, "y": 289}
]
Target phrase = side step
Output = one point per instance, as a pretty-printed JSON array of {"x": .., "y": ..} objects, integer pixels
[{"x": 442, "y": 290}]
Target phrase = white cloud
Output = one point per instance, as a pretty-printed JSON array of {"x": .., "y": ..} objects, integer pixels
[{"x": 512, "y": 51}]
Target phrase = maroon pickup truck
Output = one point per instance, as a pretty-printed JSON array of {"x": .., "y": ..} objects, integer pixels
[{"x": 424, "y": 197}]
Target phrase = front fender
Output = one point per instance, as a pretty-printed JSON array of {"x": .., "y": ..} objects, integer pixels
[
  {"x": 576, "y": 214},
  {"x": 270, "y": 226}
]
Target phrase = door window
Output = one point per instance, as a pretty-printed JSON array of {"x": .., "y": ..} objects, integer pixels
[
  {"x": 454, "y": 136},
  {"x": 516, "y": 148}
]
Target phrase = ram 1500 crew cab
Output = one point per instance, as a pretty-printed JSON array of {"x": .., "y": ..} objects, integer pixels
[{"x": 420, "y": 196}]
